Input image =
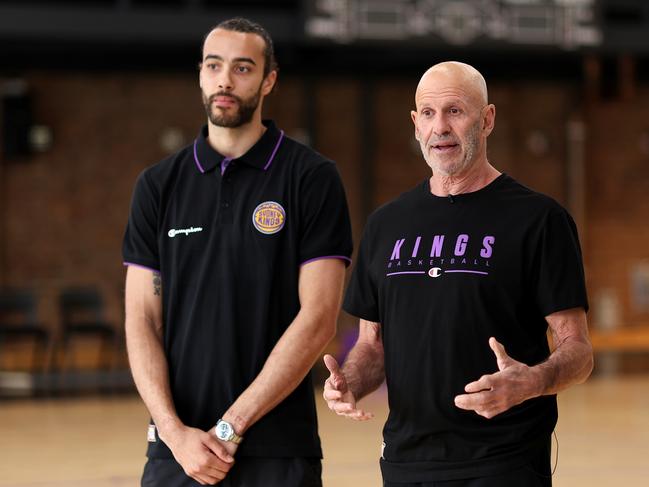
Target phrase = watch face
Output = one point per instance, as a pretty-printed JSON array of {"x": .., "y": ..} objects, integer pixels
[{"x": 223, "y": 431}]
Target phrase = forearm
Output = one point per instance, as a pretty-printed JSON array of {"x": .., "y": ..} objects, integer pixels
[
  {"x": 150, "y": 373},
  {"x": 364, "y": 369},
  {"x": 287, "y": 365},
  {"x": 570, "y": 363}
]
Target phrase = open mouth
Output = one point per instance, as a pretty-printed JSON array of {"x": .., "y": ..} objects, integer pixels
[{"x": 446, "y": 147}]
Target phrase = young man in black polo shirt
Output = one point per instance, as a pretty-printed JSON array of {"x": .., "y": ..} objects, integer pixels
[
  {"x": 236, "y": 249},
  {"x": 456, "y": 284}
]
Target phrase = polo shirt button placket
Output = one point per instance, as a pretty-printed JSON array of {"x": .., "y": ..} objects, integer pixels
[{"x": 226, "y": 193}]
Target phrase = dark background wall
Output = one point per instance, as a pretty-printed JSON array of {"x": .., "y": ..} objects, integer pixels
[
  {"x": 65, "y": 210},
  {"x": 572, "y": 124}
]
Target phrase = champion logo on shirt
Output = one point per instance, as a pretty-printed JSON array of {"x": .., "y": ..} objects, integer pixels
[
  {"x": 183, "y": 231},
  {"x": 439, "y": 255}
]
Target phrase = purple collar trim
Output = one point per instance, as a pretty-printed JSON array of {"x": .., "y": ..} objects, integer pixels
[
  {"x": 226, "y": 161},
  {"x": 200, "y": 168},
  {"x": 224, "y": 165},
  {"x": 272, "y": 156}
]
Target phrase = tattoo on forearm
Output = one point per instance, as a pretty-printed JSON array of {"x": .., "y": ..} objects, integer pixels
[{"x": 157, "y": 284}]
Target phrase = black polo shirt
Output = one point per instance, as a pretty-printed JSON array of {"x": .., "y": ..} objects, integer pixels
[{"x": 228, "y": 237}]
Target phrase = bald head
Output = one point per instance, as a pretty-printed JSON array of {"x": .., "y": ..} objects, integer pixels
[
  {"x": 453, "y": 118},
  {"x": 455, "y": 75}
]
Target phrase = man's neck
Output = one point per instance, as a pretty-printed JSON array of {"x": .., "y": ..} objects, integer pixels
[
  {"x": 473, "y": 179},
  {"x": 235, "y": 142}
]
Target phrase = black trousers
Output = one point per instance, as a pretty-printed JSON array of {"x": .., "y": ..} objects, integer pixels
[
  {"x": 536, "y": 473},
  {"x": 246, "y": 472}
]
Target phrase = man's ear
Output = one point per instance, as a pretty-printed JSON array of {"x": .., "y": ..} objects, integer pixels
[
  {"x": 269, "y": 82},
  {"x": 489, "y": 119},
  {"x": 413, "y": 115}
]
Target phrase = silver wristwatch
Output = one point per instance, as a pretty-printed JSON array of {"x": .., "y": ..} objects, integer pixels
[{"x": 225, "y": 432}]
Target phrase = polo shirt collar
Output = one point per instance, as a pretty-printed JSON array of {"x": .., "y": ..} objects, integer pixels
[{"x": 260, "y": 155}]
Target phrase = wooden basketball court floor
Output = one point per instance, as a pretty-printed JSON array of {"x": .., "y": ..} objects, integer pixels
[{"x": 603, "y": 435}]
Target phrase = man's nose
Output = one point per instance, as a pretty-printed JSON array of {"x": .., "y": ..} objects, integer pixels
[
  {"x": 225, "y": 80},
  {"x": 440, "y": 126}
]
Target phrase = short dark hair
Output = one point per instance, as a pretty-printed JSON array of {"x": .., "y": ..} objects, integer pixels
[{"x": 241, "y": 24}]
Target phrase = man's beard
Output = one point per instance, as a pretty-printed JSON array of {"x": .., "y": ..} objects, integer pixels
[
  {"x": 243, "y": 114},
  {"x": 469, "y": 144}
]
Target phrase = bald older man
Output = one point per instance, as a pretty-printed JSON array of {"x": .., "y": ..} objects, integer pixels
[{"x": 456, "y": 284}]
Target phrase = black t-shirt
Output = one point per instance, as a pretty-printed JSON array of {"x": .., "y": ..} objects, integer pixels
[
  {"x": 442, "y": 275},
  {"x": 228, "y": 237}
]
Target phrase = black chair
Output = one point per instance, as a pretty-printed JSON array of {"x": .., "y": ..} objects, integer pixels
[
  {"x": 18, "y": 323},
  {"x": 82, "y": 315}
]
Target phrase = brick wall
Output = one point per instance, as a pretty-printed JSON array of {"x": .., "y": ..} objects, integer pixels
[
  {"x": 618, "y": 200},
  {"x": 66, "y": 209}
]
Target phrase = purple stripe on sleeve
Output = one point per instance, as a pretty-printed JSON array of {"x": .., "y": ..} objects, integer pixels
[
  {"x": 272, "y": 156},
  {"x": 200, "y": 168},
  {"x": 341, "y": 257},
  {"x": 468, "y": 272},
  {"x": 142, "y": 267},
  {"x": 405, "y": 272}
]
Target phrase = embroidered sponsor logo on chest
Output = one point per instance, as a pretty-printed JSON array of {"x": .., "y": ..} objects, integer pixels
[
  {"x": 269, "y": 217},
  {"x": 183, "y": 231}
]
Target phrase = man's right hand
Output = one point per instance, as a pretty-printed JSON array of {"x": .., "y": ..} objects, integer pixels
[
  {"x": 339, "y": 397},
  {"x": 200, "y": 454}
]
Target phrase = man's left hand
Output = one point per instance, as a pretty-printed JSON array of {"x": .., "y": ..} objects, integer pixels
[{"x": 493, "y": 394}]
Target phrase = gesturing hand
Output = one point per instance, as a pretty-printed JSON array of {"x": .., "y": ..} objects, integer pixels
[
  {"x": 201, "y": 455},
  {"x": 337, "y": 394},
  {"x": 493, "y": 394}
]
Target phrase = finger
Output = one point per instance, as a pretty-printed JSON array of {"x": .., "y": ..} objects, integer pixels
[
  {"x": 361, "y": 415},
  {"x": 341, "y": 407},
  {"x": 332, "y": 394},
  {"x": 332, "y": 364},
  {"x": 218, "y": 465},
  {"x": 209, "y": 468},
  {"x": 352, "y": 413},
  {"x": 207, "y": 479},
  {"x": 212, "y": 444},
  {"x": 220, "y": 472},
  {"x": 499, "y": 350},
  {"x": 337, "y": 379},
  {"x": 201, "y": 479},
  {"x": 471, "y": 402},
  {"x": 484, "y": 383}
]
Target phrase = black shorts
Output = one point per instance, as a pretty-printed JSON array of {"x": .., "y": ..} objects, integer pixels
[{"x": 246, "y": 472}]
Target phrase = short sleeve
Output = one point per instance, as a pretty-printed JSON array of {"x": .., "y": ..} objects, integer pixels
[
  {"x": 140, "y": 239},
  {"x": 560, "y": 282},
  {"x": 325, "y": 228},
  {"x": 361, "y": 298}
]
